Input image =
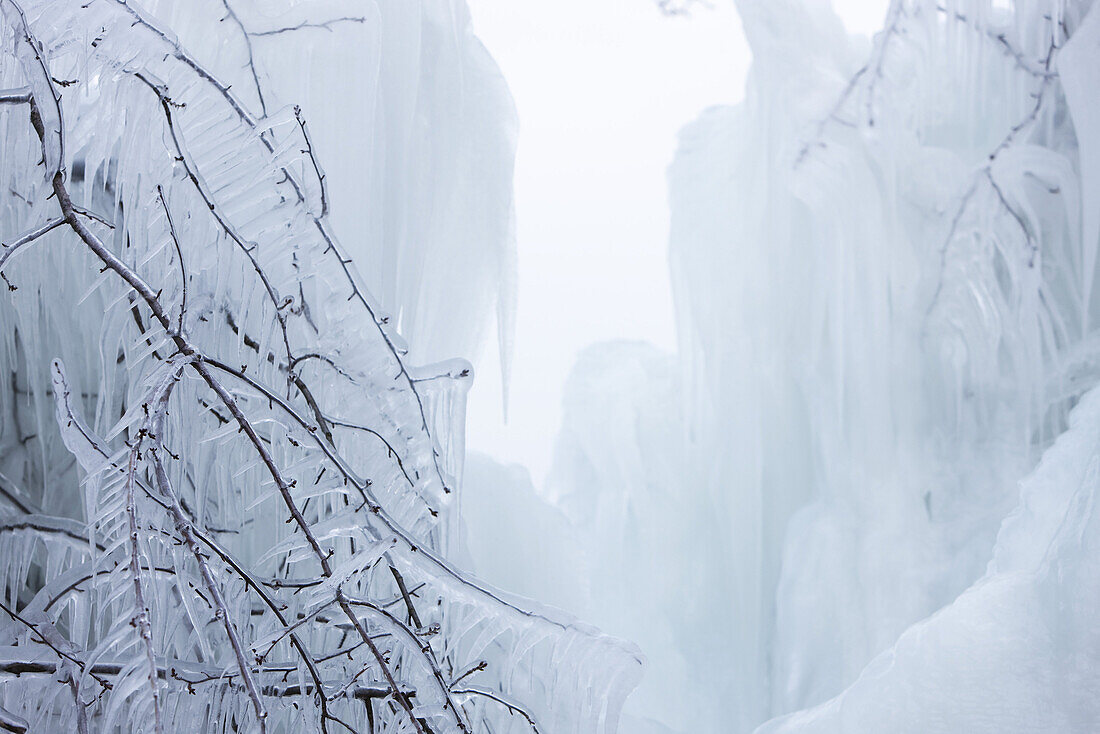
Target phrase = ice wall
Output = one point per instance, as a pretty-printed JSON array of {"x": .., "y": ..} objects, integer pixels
[
  {"x": 1018, "y": 650},
  {"x": 974, "y": 138},
  {"x": 884, "y": 265},
  {"x": 415, "y": 130},
  {"x": 909, "y": 275}
]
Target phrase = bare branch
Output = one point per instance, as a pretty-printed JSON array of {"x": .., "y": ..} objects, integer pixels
[
  {"x": 1031, "y": 66},
  {"x": 423, "y": 648},
  {"x": 226, "y": 557},
  {"x": 326, "y": 25},
  {"x": 141, "y": 616},
  {"x": 873, "y": 67},
  {"x": 313, "y": 159},
  {"x": 179, "y": 255},
  {"x": 196, "y": 674},
  {"x": 413, "y": 616},
  {"x": 475, "y": 668},
  {"x": 44, "y": 639},
  {"x": 147, "y": 472},
  {"x": 246, "y": 247},
  {"x": 251, "y": 57},
  {"x": 331, "y": 245},
  {"x": 54, "y": 167},
  {"x": 986, "y": 172},
  {"x": 322, "y": 557}
]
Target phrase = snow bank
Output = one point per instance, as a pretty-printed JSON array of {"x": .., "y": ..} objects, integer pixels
[{"x": 1018, "y": 651}]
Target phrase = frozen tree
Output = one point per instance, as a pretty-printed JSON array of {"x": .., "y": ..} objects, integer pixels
[{"x": 226, "y": 498}]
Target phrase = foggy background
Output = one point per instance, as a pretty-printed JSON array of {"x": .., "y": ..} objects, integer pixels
[{"x": 602, "y": 88}]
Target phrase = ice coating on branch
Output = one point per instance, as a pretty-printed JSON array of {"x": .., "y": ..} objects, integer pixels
[
  {"x": 414, "y": 130},
  {"x": 238, "y": 494}
]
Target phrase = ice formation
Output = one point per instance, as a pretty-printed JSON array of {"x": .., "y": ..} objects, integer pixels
[
  {"x": 228, "y": 501},
  {"x": 884, "y": 264},
  {"x": 861, "y": 497},
  {"x": 912, "y": 296}
]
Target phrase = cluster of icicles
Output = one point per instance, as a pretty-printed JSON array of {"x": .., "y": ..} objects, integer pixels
[{"x": 226, "y": 500}]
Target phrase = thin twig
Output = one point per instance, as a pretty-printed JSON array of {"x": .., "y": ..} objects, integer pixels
[
  {"x": 245, "y": 246},
  {"x": 326, "y": 25},
  {"x": 141, "y": 611},
  {"x": 183, "y": 526},
  {"x": 7, "y": 250},
  {"x": 179, "y": 255},
  {"x": 499, "y": 698},
  {"x": 425, "y": 651},
  {"x": 986, "y": 172},
  {"x": 56, "y": 650},
  {"x": 196, "y": 674},
  {"x": 251, "y": 57},
  {"x": 154, "y": 426},
  {"x": 313, "y": 159}
]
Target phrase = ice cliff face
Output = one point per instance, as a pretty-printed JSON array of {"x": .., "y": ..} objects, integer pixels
[
  {"x": 1017, "y": 651},
  {"x": 911, "y": 279},
  {"x": 884, "y": 263},
  {"x": 415, "y": 131},
  {"x": 949, "y": 329}
]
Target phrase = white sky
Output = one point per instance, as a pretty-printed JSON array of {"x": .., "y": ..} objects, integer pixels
[{"x": 602, "y": 88}]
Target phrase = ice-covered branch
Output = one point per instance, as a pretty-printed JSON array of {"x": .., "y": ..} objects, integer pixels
[
  {"x": 288, "y": 501},
  {"x": 22, "y": 95},
  {"x": 230, "y": 14},
  {"x": 324, "y": 25},
  {"x": 9, "y": 249},
  {"x": 868, "y": 76},
  {"x": 512, "y": 708}
]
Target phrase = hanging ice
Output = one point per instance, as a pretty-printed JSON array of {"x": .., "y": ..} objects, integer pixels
[
  {"x": 227, "y": 499},
  {"x": 884, "y": 263}
]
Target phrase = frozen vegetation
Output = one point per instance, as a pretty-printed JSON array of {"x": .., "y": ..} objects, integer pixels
[
  {"x": 860, "y": 497},
  {"x": 228, "y": 498}
]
